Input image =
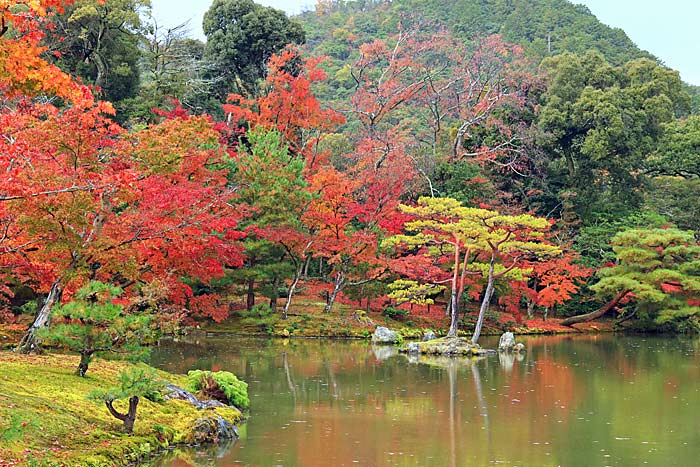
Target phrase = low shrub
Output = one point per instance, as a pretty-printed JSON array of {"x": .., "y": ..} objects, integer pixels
[
  {"x": 395, "y": 313},
  {"x": 220, "y": 385}
]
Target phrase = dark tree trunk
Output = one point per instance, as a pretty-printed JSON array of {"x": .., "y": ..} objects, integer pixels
[
  {"x": 595, "y": 314},
  {"x": 85, "y": 357},
  {"x": 307, "y": 262},
  {"x": 275, "y": 294},
  {"x": 29, "y": 342},
  {"x": 128, "y": 418},
  {"x": 250, "y": 296}
]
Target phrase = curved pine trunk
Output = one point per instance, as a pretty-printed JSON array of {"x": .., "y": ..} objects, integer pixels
[
  {"x": 595, "y": 314},
  {"x": 127, "y": 418}
]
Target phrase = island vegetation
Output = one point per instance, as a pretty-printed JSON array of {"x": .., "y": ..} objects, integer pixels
[{"x": 509, "y": 166}]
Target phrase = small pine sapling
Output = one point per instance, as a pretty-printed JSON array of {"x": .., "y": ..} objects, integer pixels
[
  {"x": 133, "y": 385},
  {"x": 93, "y": 324}
]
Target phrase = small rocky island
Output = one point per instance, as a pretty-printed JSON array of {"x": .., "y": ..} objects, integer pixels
[{"x": 460, "y": 346}]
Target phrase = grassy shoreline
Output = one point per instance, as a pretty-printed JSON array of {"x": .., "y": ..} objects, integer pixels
[
  {"x": 307, "y": 320},
  {"x": 46, "y": 419}
]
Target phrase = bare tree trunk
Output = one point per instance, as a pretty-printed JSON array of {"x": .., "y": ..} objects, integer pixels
[
  {"x": 29, "y": 342},
  {"x": 488, "y": 294},
  {"x": 454, "y": 310},
  {"x": 530, "y": 309},
  {"x": 303, "y": 266},
  {"x": 290, "y": 292},
  {"x": 595, "y": 314},
  {"x": 338, "y": 285},
  {"x": 454, "y": 297}
]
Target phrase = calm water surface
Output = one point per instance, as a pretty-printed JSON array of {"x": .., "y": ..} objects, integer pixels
[{"x": 570, "y": 401}]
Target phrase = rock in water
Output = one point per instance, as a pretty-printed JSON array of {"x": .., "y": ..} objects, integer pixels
[
  {"x": 429, "y": 336},
  {"x": 519, "y": 347},
  {"x": 413, "y": 347},
  {"x": 384, "y": 336},
  {"x": 507, "y": 342}
]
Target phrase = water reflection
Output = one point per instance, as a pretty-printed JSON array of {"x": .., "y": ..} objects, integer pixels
[{"x": 601, "y": 400}]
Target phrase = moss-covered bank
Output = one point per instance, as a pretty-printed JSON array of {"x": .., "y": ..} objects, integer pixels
[{"x": 46, "y": 419}]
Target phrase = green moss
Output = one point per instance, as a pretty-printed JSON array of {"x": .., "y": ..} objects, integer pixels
[{"x": 44, "y": 409}]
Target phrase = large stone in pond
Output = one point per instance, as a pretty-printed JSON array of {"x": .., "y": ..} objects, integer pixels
[
  {"x": 507, "y": 342},
  {"x": 384, "y": 335}
]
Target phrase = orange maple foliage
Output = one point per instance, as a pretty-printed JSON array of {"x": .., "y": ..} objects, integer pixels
[{"x": 23, "y": 71}]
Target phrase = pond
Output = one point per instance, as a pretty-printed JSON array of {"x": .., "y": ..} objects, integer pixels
[{"x": 602, "y": 400}]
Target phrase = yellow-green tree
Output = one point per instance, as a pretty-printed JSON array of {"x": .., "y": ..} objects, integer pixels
[{"x": 460, "y": 242}]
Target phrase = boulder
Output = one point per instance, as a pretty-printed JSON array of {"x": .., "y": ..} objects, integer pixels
[
  {"x": 211, "y": 429},
  {"x": 384, "y": 335},
  {"x": 507, "y": 342},
  {"x": 413, "y": 348},
  {"x": 173, "y": 392},
  {"x": 519, "y": 347},
  {"x": 429, "y": 336}
]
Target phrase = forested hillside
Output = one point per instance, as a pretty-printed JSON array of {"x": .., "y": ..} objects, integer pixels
[{"x": 542, "y": 27}]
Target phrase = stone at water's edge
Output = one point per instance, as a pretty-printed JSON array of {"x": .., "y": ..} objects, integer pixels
[
  {"x": 429, "y": 336},
  {"x": 507, "y": 343},
  {"x": 211, "y": 427},
  {"x": 384, "y": 335}
]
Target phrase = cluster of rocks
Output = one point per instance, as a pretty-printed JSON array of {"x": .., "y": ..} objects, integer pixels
[{"x": 209, "y": 428}]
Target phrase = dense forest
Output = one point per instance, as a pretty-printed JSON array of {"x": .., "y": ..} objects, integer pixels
[{"x": 476, "y": 156}]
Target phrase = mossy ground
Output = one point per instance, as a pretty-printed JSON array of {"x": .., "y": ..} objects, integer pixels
[
  {"x": 46, "y": 419},
  {"x": 306, "y": 319}
]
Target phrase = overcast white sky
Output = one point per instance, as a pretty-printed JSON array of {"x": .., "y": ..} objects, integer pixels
[{"x": 669, "y": 29}]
